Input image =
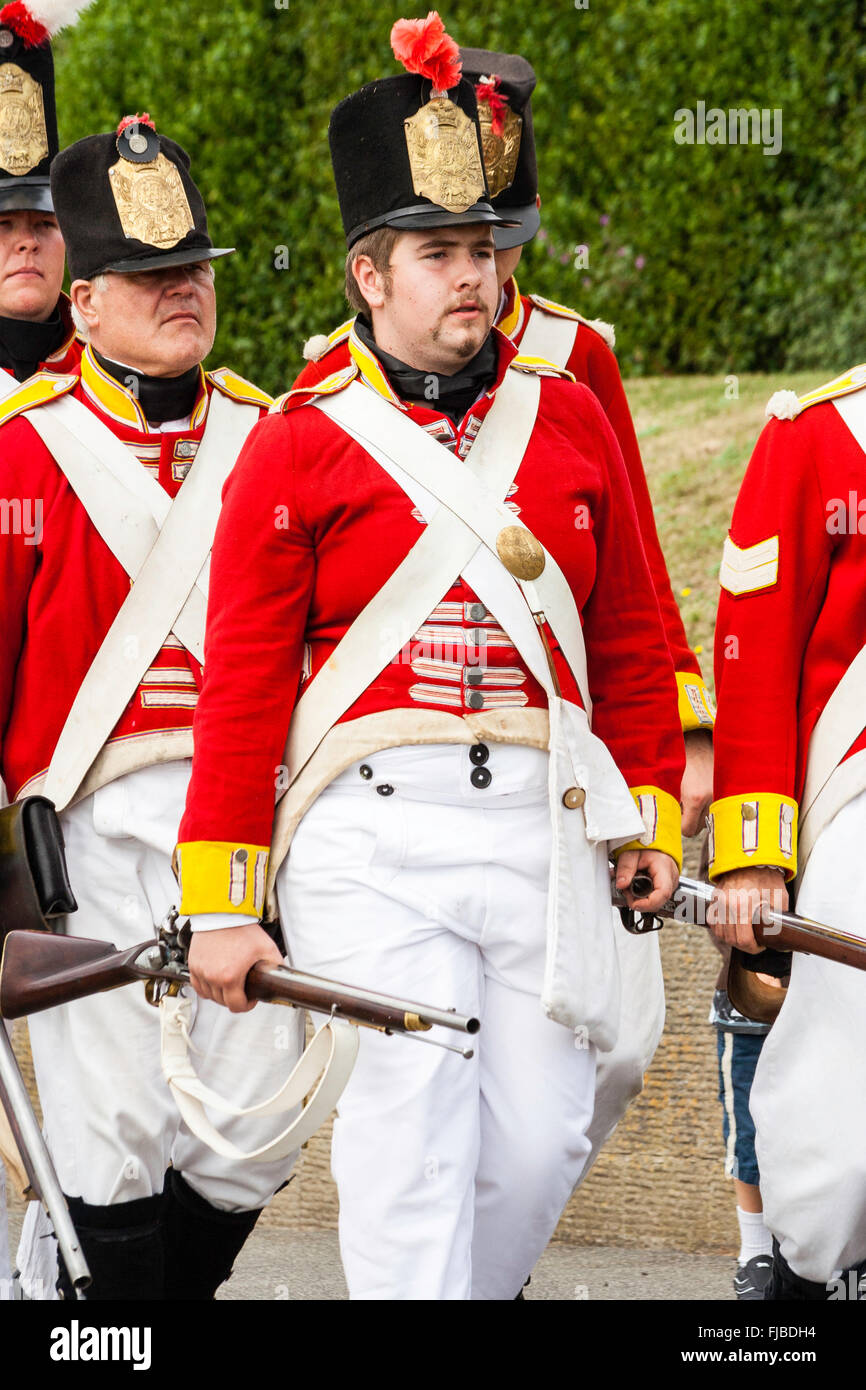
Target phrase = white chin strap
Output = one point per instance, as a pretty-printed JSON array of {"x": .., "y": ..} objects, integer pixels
[{"x": 321, "y": 1074}]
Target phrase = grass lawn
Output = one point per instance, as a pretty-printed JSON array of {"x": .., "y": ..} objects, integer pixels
[{"x": 696, "y": 438}]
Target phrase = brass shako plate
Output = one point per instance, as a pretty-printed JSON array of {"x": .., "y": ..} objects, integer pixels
[
  {"x": 442, "y": 143},
  {"x": 500, "y": 151},
  {"x": 151, "y": 201},
  {"x": 23, "y": 136}
]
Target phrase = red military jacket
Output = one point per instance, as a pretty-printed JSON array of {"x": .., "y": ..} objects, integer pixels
[
  {"x": 61, "y": 585},
  {"x": 283, "y": 595},
  {"x": 792, "y": 617},
  {"x": 591, "y": 361}
]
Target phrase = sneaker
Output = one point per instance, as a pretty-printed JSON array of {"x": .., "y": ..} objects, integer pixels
[{"x": 753, "y": 1277}]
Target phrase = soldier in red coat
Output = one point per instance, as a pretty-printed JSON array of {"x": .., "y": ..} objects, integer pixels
[
  {"x": 790, "y": 811},
  {"x": 427, "y": 580},
  {"x": 36, "y": 329},
  {"x": 504, "y": 84},
  {"x": 120, "y": 463}
]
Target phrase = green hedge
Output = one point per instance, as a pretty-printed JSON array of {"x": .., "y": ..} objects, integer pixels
[{"x": 707, "y": 257}]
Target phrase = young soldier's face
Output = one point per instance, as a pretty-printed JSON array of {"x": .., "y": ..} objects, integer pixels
[
  {"x": 161, "y": 321},
  {"x": 436, "y": 307},
  {"x": 31, "y": 264}
]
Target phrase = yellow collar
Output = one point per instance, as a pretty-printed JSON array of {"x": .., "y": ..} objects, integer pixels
[
  {"x": 371, "y": 370},
  {"x": 512, "y": 312},
  {"x": 115, "y": 401}
]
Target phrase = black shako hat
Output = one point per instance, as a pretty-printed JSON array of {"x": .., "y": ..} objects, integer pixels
[
  {"x": 504, "y": 83},
  {"x": 127, "y": 202},
  {"x": 404, "y": 157},
  {"x": 28, "y": 118}
]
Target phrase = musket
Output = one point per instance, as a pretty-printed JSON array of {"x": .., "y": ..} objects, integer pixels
[
  {"x": 781, "y": 933},
  {"x": 44, "y": 1182},
  {"x": 34, "y": 889},
  {"x": 40, "y": 970}
]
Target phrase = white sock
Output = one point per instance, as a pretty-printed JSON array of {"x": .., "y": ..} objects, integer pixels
[{"x": 755, "y": 1239}]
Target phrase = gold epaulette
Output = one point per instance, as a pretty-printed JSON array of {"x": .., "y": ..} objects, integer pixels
[
  {"x": 238, "y": 388},
  {"x": 36, "y": 390},
  {"x": 320, "y": 343},
  {"x": 560, "y": 311},
  {"x": 540, "y": 366},
  {"x": 787, "y": 405},
  {"x": 328, "y": 386}
]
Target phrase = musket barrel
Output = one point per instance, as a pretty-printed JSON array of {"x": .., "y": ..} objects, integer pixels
[{"x": 272, "y": 982}]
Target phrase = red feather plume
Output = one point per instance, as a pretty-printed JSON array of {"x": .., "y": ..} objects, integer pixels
[
  {"x": 423, "y": 46},
  {"x": 18, "y": 18},
  {"x": 143, "y": 119},
  {"x": 488, "y": 90}
]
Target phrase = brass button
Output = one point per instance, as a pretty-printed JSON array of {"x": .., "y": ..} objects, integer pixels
[
  {"x": 521, "y": 554},
  {"x": 750, "y": 812},
  {"x": 573, "y": 798},
  {"x": 366, "y": 771}
]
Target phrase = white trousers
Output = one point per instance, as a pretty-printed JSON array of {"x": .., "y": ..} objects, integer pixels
[
  {"x": 110, "y": 1122},
  {"x": 451, "y": 1174},
  {"x": 809, "y": 1093}
]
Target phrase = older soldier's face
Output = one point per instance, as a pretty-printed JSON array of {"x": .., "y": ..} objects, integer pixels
[
  {"x": 160, "y": 321},
  {"x": 31, "y": 264},
  {"x": 436, "y": 305}
]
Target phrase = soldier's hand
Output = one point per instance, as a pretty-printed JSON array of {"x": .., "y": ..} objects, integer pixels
[
  {"x": 735, "y": 901},
  {"x": 661, "y": 868},
  {"x": 219, "y": 962},
  {"x": 696, "y": 789}
]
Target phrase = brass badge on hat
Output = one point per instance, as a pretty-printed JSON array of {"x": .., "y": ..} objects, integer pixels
[
  {"x": 23, "y": 137},
  {"x": 151, "y": 202},
  {"x": 443, "y": 155},
  {"x": 500, "y": 151}
]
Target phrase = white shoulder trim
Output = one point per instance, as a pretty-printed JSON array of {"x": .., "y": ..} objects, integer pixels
[
  {"x": 783, "y": 405},
  {"x": 599, "y": 326},
  {"x": 316, "y": 347}
]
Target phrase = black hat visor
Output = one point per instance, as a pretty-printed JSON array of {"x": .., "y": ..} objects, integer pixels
[
  {"x": 21, "y": 194},
  {"x": 161, "y": 260},
  {"x": 518, "y": 232}
]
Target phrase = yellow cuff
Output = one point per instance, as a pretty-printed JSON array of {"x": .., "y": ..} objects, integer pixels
[
  {"x": 663, "y": 818},
  {"x": 696, "y": 707},
  {"x": 218, "y": 876},
  {"x": 753, "y": 829}
]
